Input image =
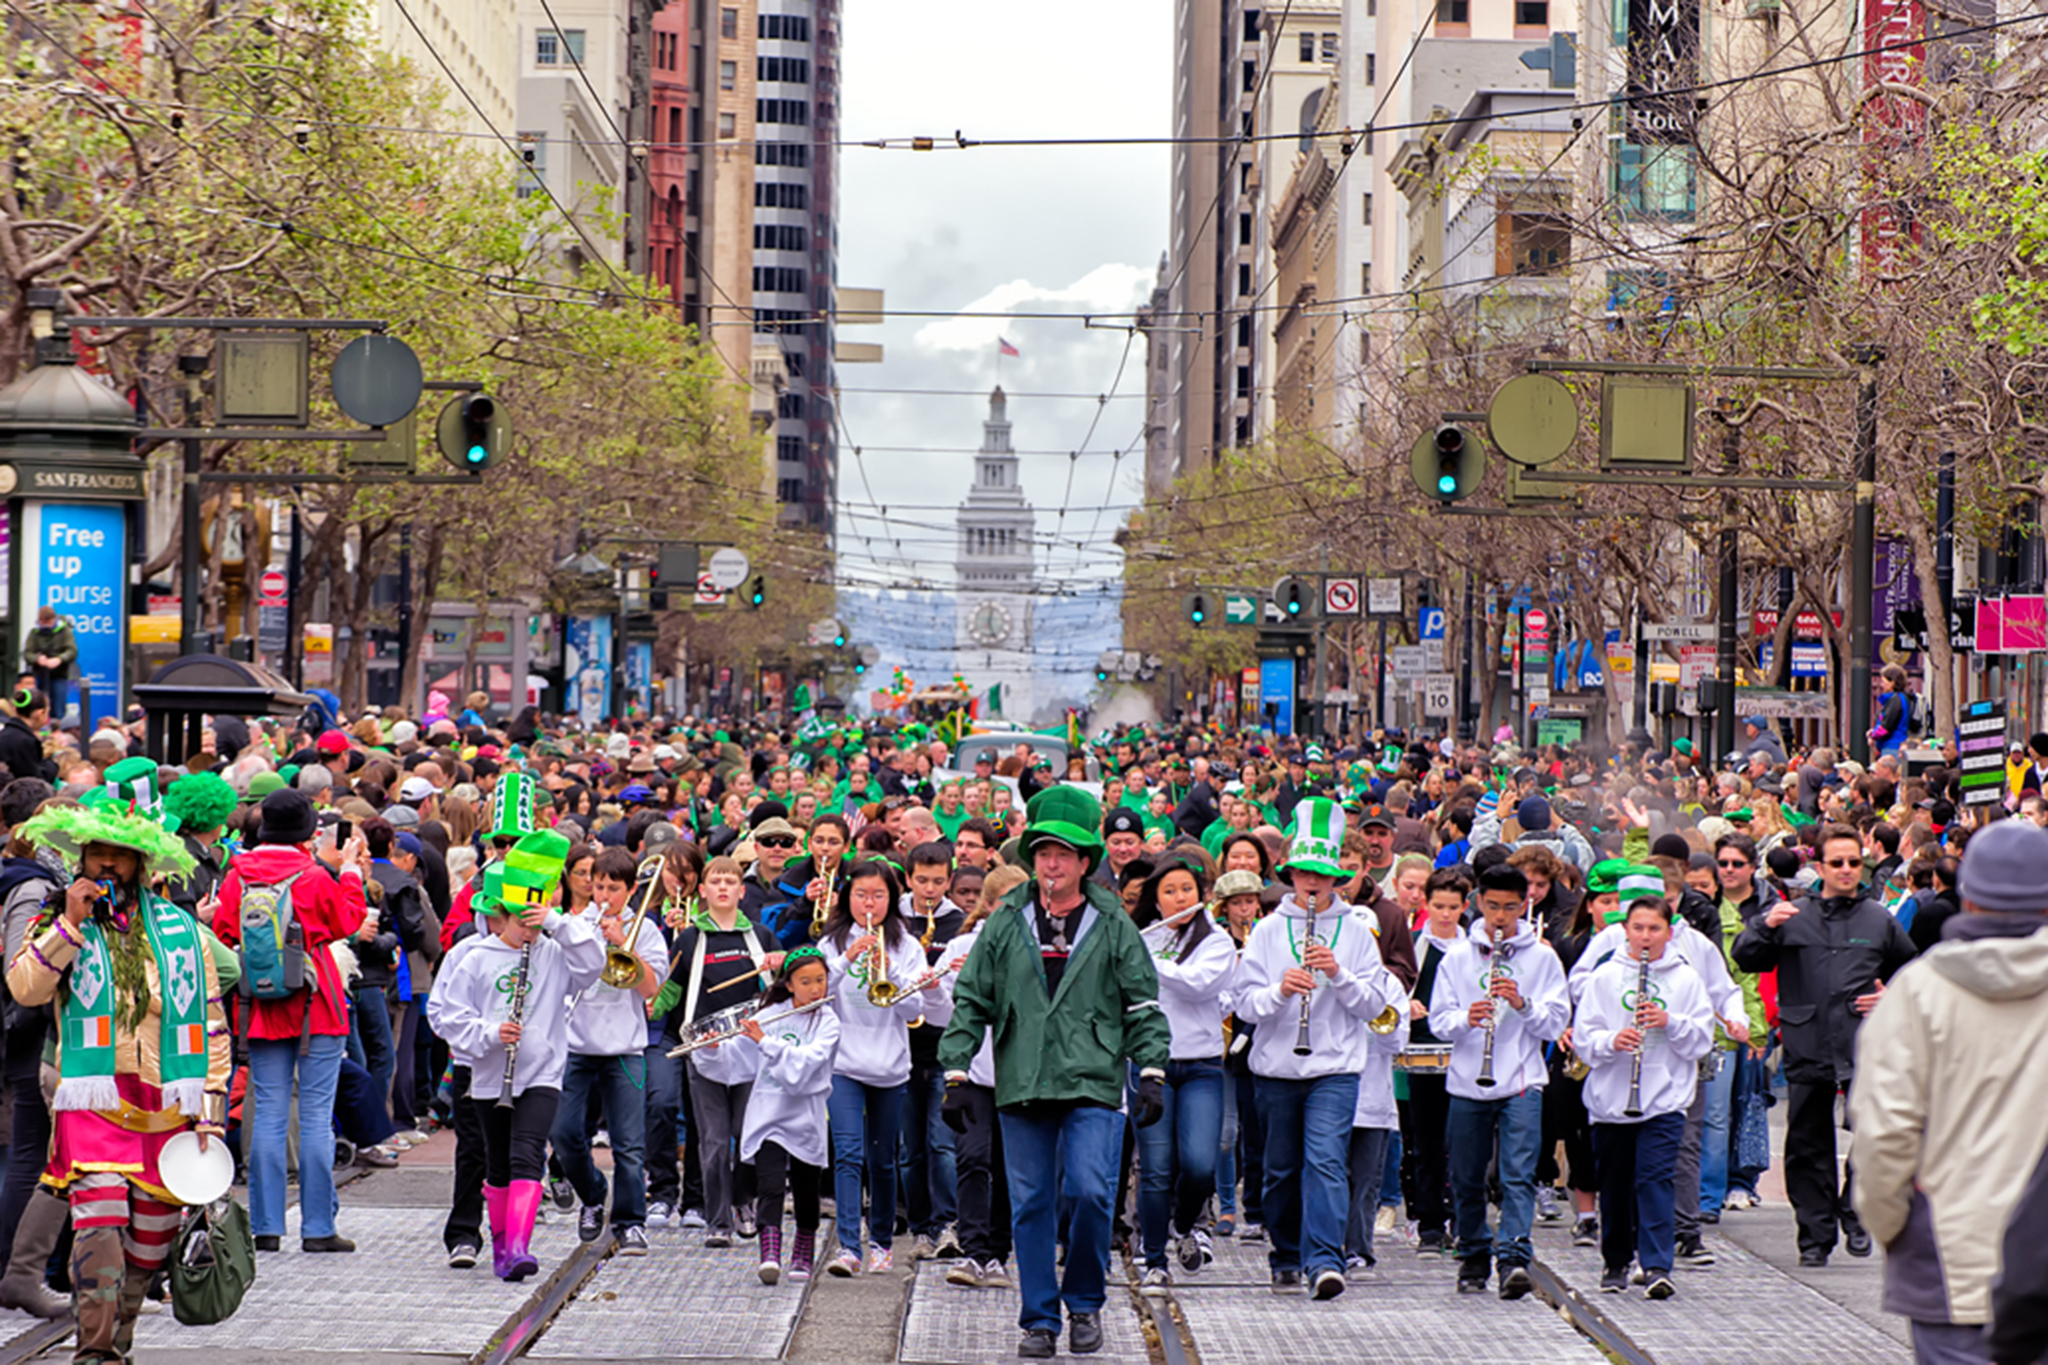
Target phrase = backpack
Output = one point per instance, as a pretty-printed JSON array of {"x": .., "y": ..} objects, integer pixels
[
  {"x": 273, "y": 942},
  {"x": 1914, "y": 723}
]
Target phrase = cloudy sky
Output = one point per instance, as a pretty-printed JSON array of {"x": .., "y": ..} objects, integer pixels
[{"x": 1039, "y": 230}]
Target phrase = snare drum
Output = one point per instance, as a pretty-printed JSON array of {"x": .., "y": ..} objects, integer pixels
[{"x": 1433, "y": 1057}]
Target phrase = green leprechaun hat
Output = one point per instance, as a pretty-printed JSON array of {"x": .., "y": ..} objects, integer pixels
[
  {"x": 132, "y": 785},
  {"x": 512, "y": 807},
  {"x": 533, "y": 869},
  {"x": 1638, "y": 882},
  {"x": 1316, "y": 839},
  {"x": 1064, "y": 815}
]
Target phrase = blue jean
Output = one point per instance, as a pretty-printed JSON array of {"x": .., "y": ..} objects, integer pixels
[
  {"x": 1181, "y": 1147},
  {"x": 1517, "y": 1123},
  {"x": 1226, "y": 1155},
  {"x": 620, "y": 1084},
  {"x": 865, "y": 1121},
  {"x": 1637, "y": 1164},
  {"x": 380, "y": 1049},
  {"x": 929, "y": 1172},
  {"x": 272, "y": 1065},
  {"x": 1390, "y": 1179},
  {"x": 1053, "y": 1152},
  {"x": 1370, "y": 1149},
  {"x": 1308, "y": 1179},
  {"x": 1715, "y": 1132},
  {"x": 664, "y": 1103}
]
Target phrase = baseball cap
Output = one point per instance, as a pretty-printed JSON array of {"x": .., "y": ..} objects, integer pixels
[
  {"x": 332, "y": 742},
  {"x": 1375, "y": 815},
  {"x": 415, "y": 789},
  {"x": 1123, "y": 820}
]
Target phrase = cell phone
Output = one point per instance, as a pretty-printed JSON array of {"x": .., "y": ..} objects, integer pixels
[{"x": 344, "y": 831}]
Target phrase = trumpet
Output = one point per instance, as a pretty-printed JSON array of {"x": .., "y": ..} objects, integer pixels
[
  {"x": 727, "y": 1025},
  {"x": 622, "y": 967},
  {"x": 823, "y": 908},
  {"x": 882, "y": 992}
]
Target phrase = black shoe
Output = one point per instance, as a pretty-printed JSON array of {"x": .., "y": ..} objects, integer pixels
[
  {"x": 1469, "y": 1284},
  {"x": 1084, "y": 1333},
  {"x": 1329, "y": 1284},
  {"x": 1856, "y": 1242},
  {"x": 1692, "y": 1254},
  {"x": 589, "y": 1222},
  {"x": 1813, "y": 1260},
  {"x": 331, "y": 1242},
  {"x": 1429, "y": 1244},
  {"x": 1660, "y": 1286},
  {"x": 1710, "y": 1218},
  {"x": 1614, "y": 1281},
  {"x": 1286, "y": 1281},
  {"x": 1472, "y": 1274},
  {"x": 1039, "y": 1344},
  {"x": 1586, "y": 1231},
  {"x": 1515, "y": 1282},
  {"x": 266, "y": 1242}
]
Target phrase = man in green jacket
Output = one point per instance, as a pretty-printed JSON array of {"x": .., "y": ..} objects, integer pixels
[
  {"x": 48, "y": 651},
  {"x": 1063, "y": 980}
]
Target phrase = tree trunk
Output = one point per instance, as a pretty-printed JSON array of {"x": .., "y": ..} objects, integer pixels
[{"x": 427, "y": 546}]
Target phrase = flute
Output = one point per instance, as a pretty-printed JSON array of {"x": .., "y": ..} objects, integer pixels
[
  {"x": 517, "y": 1016},
  {"x": 1301, "y": 1045},
  {"x": 1485, "y": 1076}
]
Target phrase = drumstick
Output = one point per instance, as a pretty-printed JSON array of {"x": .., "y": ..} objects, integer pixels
[{"x": 728, "y": 985}]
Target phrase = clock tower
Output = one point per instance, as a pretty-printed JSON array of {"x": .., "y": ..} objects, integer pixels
[{"x": 997, "y": 572}]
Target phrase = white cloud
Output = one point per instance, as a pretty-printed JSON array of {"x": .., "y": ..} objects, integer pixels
[{"x": 1107, "y": 289}]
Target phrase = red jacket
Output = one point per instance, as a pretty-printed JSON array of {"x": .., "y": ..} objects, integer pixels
[{"x": 327, "y": 907}]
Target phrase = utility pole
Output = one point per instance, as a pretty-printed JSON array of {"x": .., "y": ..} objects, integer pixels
[
  {"x": 192, "y": 367},
  {"x": 405, "y": 610},
  {"x": 1724, "y": 633},
  {"x": 639, "y": 131},
  {"x": 1468, "y": 714},
  {"x": 1863, "y": 548},
  {"x": 1639, "y": 732}
]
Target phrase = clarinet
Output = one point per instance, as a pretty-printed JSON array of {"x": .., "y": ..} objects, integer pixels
[
  {"x": 518, "y": 1016},
  {"x": 1485, "y": 1077},
  {"x": 1301, "y": 1047},
  {"x": 1634, "y": 1108}
]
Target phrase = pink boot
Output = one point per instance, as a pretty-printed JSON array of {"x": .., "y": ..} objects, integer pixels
[
  {"x": 495, "y": 1207},
  {"x": 771, "y": 1254},
  {"x": 522, "y": 1203},
  {"x": 801, "y": 1249}
]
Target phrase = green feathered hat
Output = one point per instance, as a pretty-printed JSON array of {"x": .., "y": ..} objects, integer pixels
[
  {"x": 201, "y": 801},
  {"x": 69, "y": 829}
]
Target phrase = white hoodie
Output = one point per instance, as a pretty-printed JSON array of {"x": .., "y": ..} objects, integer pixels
[
  {"x": 1376, "y": 1106},
  {"x": 1670, "y": 1054},
  {"x": 611, "y": 1021},
  {"x": 1338, "y": 1008},
  {"x": 982, "y": 1071},
  {"x": 1724, "y": 997},
  {"x": 1194, "y": 986},
  {"x": 469, "y": 1003},
  {"x": 787, "y": 1105},
  {"x": 1518, "y": 1035},
  {"x": 874, "y": 1044}
]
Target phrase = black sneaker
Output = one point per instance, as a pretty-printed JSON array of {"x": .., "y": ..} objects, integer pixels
[
  {"x": 1660, "y": 1286},
  {"x": 1286, "y": 1281},
  {"x": 1329, "y": 1284},
  {"x": 1586, "y": 1232},
  {"x": 1614, "y": 1281},
  {"x": 1693, "y": 1255},
  {"x": 1810, "y": 1260},
  {"x": 1856, "y": 1241},
  {"x": 1429, "y": 1244},
  {"x": 334, "y": 1241},
  {"x": 1515, "y": 1282},
  {"x": 1039, "y": 1344},
  {"x": 1084, "y": 1333},
  {"x": 1472, "y": 1274},
  {"x": 590, "y": 1223},
  {"x": 266, "y": 1242}
]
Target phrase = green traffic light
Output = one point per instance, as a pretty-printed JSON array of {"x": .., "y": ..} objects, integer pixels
[
  {"x": 477, "y": 454},
  {"x": 1198, "y": 616},
  {"x": 1447, "y": 484}
]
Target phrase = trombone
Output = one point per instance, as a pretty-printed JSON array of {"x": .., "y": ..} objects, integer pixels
[{"x": 622, "y": 967}]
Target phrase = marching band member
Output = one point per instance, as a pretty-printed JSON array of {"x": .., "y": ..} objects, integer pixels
[
  {"x": 929, "y": 1163},
  {"x": 1238, "y": 894},
  {"x": 787, "y": 1135},
  {"x": 1429, "y": 1102},
  {"x": 1643, "y": 1024},
  {"x": 1499, "y": 997},
  {"x": 1195, "y": 961},
  {"x": 1374, "y": 1125},
  {"x": 1311, "y": 978},
  {"x": 873, "y": 959},
  {"x": 607, "y": 1054},
  {"x": 504, "y": 1006}
]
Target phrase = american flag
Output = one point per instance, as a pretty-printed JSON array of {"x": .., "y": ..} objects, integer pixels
[{"x": 1003, "y": 347}]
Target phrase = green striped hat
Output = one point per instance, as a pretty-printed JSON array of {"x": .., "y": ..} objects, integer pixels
[
  {"x": 1637, "y": 882},
  {"x": 1316, "y": 839},
  {"x": 512, "y": 807}
]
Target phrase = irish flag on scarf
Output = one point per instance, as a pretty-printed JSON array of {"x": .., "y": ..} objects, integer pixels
[{"x": 86, "y": 1057}]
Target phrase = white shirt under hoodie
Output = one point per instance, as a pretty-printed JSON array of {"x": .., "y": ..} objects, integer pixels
[
  {"x": 787, "y": 1105},
  {"x": 1194, "y": 986},
  {"x": 1376, "y": 1106},
  {"x": 1339, "y": 1006},
  {"x": 1724, "y": 997},
  {"x": 1518, "y": 1035},
  {"x": 1670, "y": 1054},
  {"x": 982, "y": 1071},
  {"x": 874, "y": 1044},
  {"x": 469, "y": 1003},
  {"x": 611, "y": 1021}
]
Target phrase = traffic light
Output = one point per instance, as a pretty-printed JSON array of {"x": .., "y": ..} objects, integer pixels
[
  {"x": 756, "y": 592},
  {"x": 1293, "y": 597},
  {"x": 1447, "y": 463},
  {"x": 839, "y": 640},
  {"x": 1199, "y": 609},
  {"x": 472, "y": 432}
]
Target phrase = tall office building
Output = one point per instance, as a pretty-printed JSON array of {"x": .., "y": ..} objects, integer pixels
[
  {"x": 795, "y": 241},
  {"x": 466, "y": 47}
]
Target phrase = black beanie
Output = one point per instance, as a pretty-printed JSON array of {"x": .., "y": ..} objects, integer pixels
[
  {"x": 287, "y": 818},
  {"x": 1671, "y": 846}
]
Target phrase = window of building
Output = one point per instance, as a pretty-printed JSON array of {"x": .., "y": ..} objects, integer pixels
[
  {"x": 789, "y": 449},
  {"x": 789, "y": 405},
  {"x": 1531, "y": 240},
  {"x": 795, "y": 70},
  {"x": 728, "y": 23},
  {"x": 1372, "y": 68},
  {"x": 1308, "y": 47},
  {"x": 1244, "y": 330},
  {"x": 1330, "y": 46},
  {"x": 668, "y": 265},
  {"x": 1244, "y": 229},
  {"x": 1244, "y": 279},
  {"x": 1532, "y": 13},
  {"x": 1453, "y": 11},
  {"x": 728, "y": 75},
  {"x": 696, "y": 134},
  {"x": 675, "y": 125},
  {"x": 1365, "y": 212},
  {"x": 779, "y": 279},
  {"x": 796, "y": 154},
  {"x": 1244, "y": 430},
  {"x": 1372, "y": 8},
  {"x": 1365, "y": 278},
  {"x": 1251, "y": 75},
  {"x": 1251, "y": 26},
  {"x": 547, "y": 47},
  {"x": 572, "y": 43},
  {"x": 1244, "y": 381},
  {"x": 774, "y": 194},
  {"x": 728, "y": 123},
  {"x": 789, "y": 28},
  {"x": 789, "y": 490},
  {"x": 793, "y": 112},
  {"x": 674, "y": 206},
  {"x": 1653, "y": 182},
  {"x": 780, "y": 237},
  {"x": 1245, "y": 122}
]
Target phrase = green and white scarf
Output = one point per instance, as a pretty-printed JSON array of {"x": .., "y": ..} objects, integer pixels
[{"x": 86, "y": 1057}]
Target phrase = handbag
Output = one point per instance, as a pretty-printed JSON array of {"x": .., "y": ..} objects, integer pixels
[
  {"x": 213, "y": 1263},
  {"x": 1752, "y": 1119}
]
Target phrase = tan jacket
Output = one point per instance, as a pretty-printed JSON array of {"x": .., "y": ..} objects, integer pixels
[
  {"x": 136, "y": 1049},
  {"x": 1951, "y": 1084}
]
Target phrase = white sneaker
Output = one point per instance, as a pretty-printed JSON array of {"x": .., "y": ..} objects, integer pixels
[
  {"x": 414, "y": 1136},
  {"x": 659, "y": 1214},
  {"x": 1546, "y": 1205},
  {"x": 1155, "y": 1283},
  {"x": 601, "y": 1138},
  {"x": 994, "y": 1275},
  {"x": 693, "y": 1218},
  {"x": 1383, "y": 1222},
  {"x": 924, "y": 1249},
  {"x": 964, "y": 1273}
]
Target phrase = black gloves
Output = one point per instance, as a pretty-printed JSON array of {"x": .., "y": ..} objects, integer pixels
[
  {"x": 954, "y": 1109},
  {"x": 1150, "y": 1103}
]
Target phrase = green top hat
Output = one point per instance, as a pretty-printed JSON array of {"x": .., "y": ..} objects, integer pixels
[
  {"x": 512, "y": 807},
  {"x": 131, "y": 784},
  {"x": 1063, "y": 815},
  {"x": 532, "y": 869},
  {"x": 1317, "y": 838}
]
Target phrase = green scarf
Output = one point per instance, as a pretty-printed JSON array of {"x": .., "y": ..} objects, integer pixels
[{"x": 86, "y": 1056}]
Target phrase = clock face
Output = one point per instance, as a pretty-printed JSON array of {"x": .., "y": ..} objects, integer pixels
[{"x": 990, "y": 624}]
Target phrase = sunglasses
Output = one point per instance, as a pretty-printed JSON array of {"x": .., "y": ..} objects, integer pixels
[
  {"x": 776, "y": 841},
  {"x": 1732, "y": 862},
  {"x": 1845, "y": 862}
]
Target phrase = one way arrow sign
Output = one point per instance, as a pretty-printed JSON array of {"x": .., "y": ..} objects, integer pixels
[{"x": 1240, "y": 609}]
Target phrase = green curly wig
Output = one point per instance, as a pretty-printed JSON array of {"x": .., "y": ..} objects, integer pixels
[
  {"x": 69, "y": 829},
  {"x": 199, "y": 802}
]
